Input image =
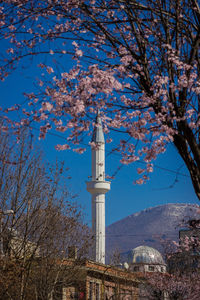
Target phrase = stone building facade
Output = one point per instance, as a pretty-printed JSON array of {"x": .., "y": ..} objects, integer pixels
[{"x": 100, "y": 282}]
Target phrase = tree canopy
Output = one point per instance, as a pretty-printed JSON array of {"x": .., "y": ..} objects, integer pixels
[{"x": 136, "y": 61}]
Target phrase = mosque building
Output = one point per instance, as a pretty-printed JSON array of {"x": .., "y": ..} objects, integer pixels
[
  {"x": 97, "y": 280},
  {"x": 140, "y": 259}
]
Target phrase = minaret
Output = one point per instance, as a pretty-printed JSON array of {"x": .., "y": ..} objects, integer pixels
[{"x": 97, "y": 188}]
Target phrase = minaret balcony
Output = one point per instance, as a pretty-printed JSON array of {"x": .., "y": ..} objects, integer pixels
[{"x": 98, "y": 187}]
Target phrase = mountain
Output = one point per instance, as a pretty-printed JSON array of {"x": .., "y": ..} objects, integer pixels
[{"x": 148, "y": 227}]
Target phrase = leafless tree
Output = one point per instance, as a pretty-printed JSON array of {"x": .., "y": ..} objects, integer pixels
[{"x": 43, "y": 224}]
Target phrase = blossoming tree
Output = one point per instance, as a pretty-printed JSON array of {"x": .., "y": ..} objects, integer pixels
[
  {"x": 136, "y": 61},
  {"x": 183, "y": 260}
]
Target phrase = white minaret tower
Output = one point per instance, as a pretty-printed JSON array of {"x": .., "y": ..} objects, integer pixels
[{"x": 97, "y": 188}]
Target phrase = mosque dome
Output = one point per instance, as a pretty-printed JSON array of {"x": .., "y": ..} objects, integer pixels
[{"x": 145, "y": 255}]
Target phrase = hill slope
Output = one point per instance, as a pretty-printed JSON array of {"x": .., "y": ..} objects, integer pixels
[{"x": 148, "y": 226}]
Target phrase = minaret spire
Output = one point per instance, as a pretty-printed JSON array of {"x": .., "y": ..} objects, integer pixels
[
  {"x": 98, "y": 187},
  {"x": 98, "y": 136}
]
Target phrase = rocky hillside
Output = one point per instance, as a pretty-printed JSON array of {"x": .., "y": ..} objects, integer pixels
[{"x": 149, "y": 227}]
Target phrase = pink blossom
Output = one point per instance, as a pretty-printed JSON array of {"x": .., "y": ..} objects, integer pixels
[
  {"x": 50, "y": 70},
  {"x": 110, "y": 177},
  {"x": 149, "y": 168},
  {"x": 62, "y": 147},
  {"x": 41, "y": 117},
  {"x": 75, "y": 44},
  {"x": 61, "y": 128},
  {"x": 12, "y": 108},
  {"x": 2, "y": 23},
  {"x": 94, "y": 145},
  {"x": 10, "y": 50},
  {"x": 47, "y": 106},
  {"x": 139, "y": 181},
  {"x": 12, "y": 27},
  {"x": 79, "y": 53},
  {"x": 140, "y": 171},
  {"x": 70, "y": 124},
  {"x": 79, "y": 150},
  {"x": 4, "y": 128},
  {"x": 108, "y": 141}
]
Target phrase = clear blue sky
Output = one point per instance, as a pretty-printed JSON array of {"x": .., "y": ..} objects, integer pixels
[{"x": 125, "y": 198}]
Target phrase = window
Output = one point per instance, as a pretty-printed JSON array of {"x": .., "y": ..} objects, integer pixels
[
  {"x": 97, "y": 291},
  {"x": 114, "y": 292},
  {"x": 122, "y": 294},
  {"x": 73, "y": 295},
  {"x": 64, "y": 294},
  {"x": 91, "y": 291},
  {"x": 106, "y": 292},
  {"x": 151, "y": 268},
  {"x": 136, "y": 269}
]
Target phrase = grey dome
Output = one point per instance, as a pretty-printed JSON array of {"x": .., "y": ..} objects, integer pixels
[{"x": 145, "y": 255}]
